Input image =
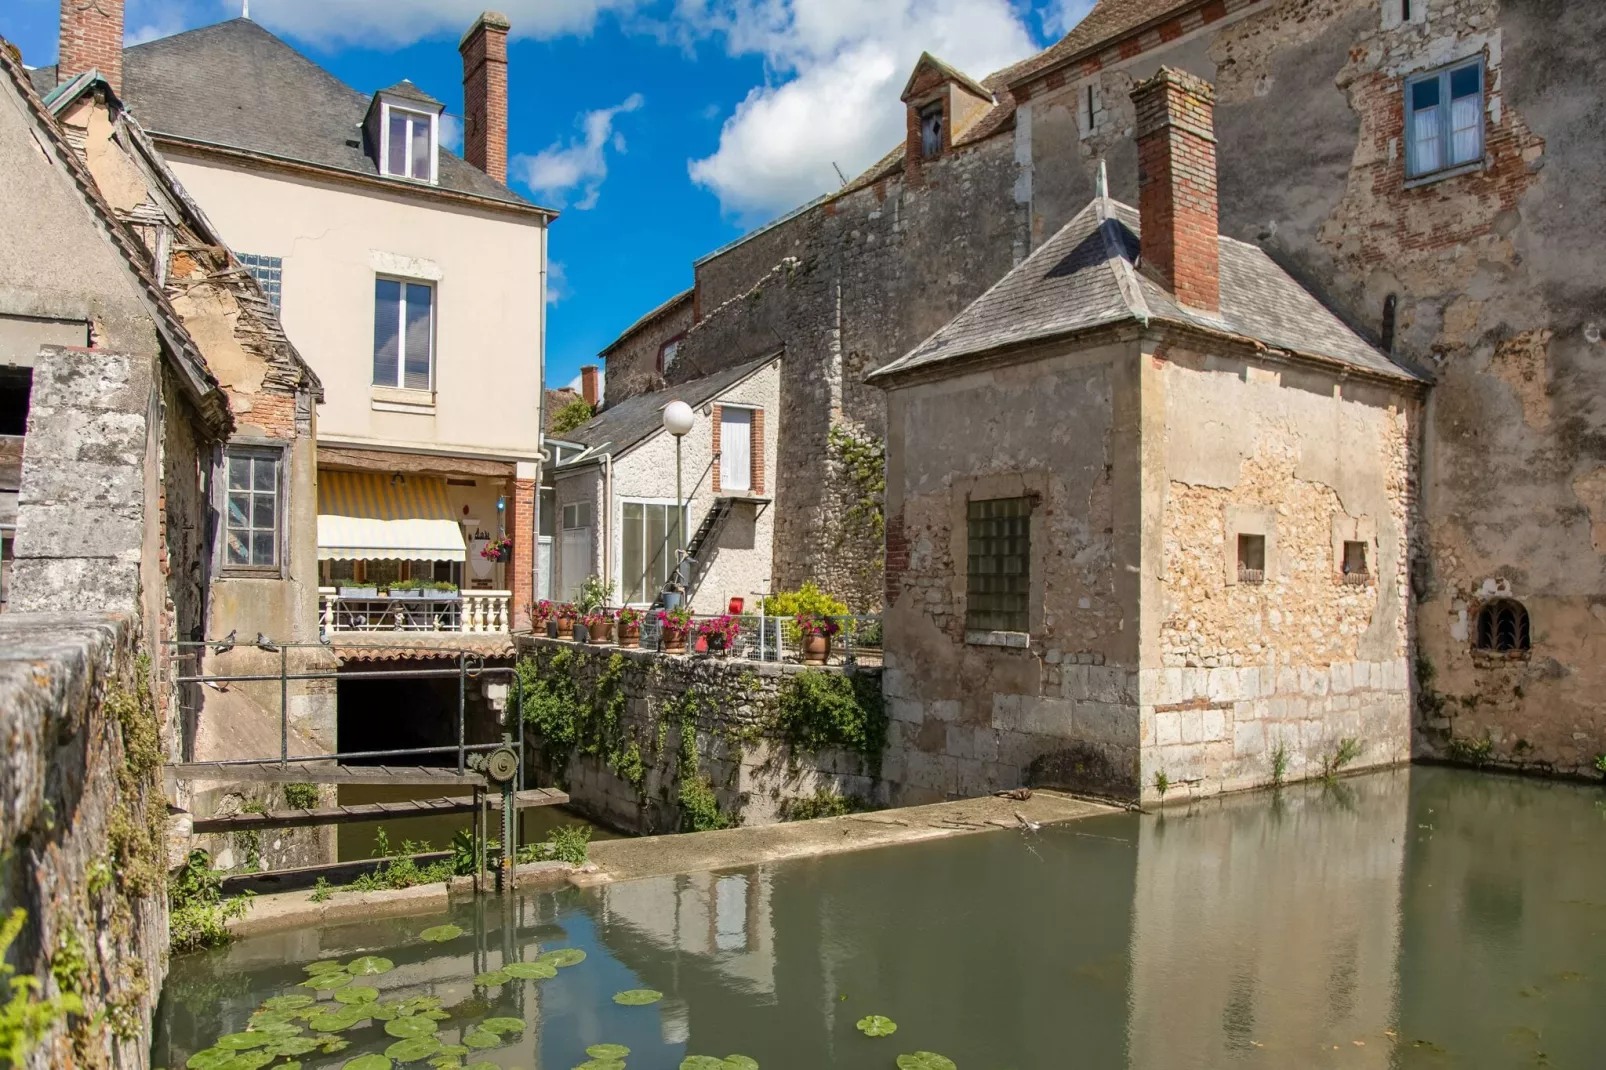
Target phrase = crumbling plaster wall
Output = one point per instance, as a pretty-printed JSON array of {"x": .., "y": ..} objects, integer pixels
[
  {"x": 1060, "y": 708},
  {"x": 1496, "y": 275},
  {"x": 1309, "y": 657}
]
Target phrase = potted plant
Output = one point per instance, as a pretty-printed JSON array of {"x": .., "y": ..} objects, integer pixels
[
  {"x": 674, "y": 625},
  {"x": 359, "y": 592},
  {"x": 498, "y": 549},
  {"x": 816, "y": 630},
  {"x": 565, "y": 614},
  {"x": 543, "y": 619},
  {"x": 629, "y": 625},
  {"x": 599, "y": 626},
  {"x": 720, "y": 633}
]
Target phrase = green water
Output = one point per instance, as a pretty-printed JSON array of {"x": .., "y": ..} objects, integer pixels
[
  {"x": 1416, "y": 919},
  {"x": 360, "y": 839}
]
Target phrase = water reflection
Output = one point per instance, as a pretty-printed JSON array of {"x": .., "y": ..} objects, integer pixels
[{"x": 1404, "y": 920}]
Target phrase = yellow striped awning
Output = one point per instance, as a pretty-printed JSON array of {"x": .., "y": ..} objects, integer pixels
[{"x": 372, "y": 516}]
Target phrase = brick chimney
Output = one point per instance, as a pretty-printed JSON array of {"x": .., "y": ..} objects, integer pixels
[
  {"x": 588, "y": 384},
  {"x": 1177, "y": 186},
  {"x": 92, "y": 38},
  {"x": 484, "y": 50}
]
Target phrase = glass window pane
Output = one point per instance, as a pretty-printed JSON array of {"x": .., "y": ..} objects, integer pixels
[
  {"x": 262, "y": 514},
  {"x": 239, "y": 510},
  {"x": 658, "y": 551},
  {"x": 419, "y": 301},
  {"x": 239, "y": 552},
  {"x": 387, "y": 313},
  {"x": 634, "y": 557},
  {"x": 1424, "y": 94},
  {"x": 420, "y": 127},
  {"x": 1425, "y": 134},
  {"x": 239, "y": 473},
  {"x": 1466, "y": 124},
  {"x": 396, "y": 159},
  {"x": 998, "y": 585},
  {"x": 1465, "y": 82},
  {"x": 262, "y": 548},
  {"x": 265, "y": 473}
]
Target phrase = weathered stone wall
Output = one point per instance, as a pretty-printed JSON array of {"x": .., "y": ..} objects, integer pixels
[
  {"x": 633, "y": 361},
  {"x": 729, "y": 706},
  {"x": 1236, "y": 672},
  {"x": 1057, "y": 706},
  {"x": 1496, "y": 279},
  {"x": 81, "y": 823}
]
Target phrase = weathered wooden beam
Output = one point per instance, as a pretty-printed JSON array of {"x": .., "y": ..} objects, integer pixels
[
  {"x": 319, "y": 773},
  {"x": 339, "y": 815}
]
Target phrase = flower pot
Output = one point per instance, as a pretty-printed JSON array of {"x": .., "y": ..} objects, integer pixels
[
  {"x": 716, "y": 644},
  {"x": 582, "y": 632},
  {"x": 673, "y": 642},
  {"x": 816, "y": 649},
  {"x": 630, "y": 636},
  {"x": 566, "y": 629},
  {"x": 602, "y": 633},
  {"x": 551, "y": 629}
]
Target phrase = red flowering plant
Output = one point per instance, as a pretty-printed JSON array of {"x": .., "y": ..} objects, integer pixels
[
  {"x": 498, "y": 549},
  {"x": 675, "y": 621},
  {"x": 544, "y": 611},
  {"x": 817, "y": 624},
  {"x": 720, "y": 631},
  {"x": 564, "y": 610},
  {"x": 591, "y": 620},
  {"x": 628, "y": 617}
]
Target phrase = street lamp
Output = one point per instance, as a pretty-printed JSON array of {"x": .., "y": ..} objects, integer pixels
[{"x": 678, "y": 420}]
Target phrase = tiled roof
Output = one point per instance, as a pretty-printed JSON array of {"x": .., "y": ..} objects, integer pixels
[
  {"x": 1086, "y": 276},
  {"x": 409, "y": 646},
  {"x": 1109, "y": 18},
  {"x": 237, "y": 86},
  {"x": 625, "y": 423}
]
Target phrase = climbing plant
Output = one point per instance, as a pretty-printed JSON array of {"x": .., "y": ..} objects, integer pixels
[
  {"x": 863, "y": 461},
  {"x": 24, "y": 1017},
  {"x": 818, "y": 710},
  {"x": 572, "y": 716}
]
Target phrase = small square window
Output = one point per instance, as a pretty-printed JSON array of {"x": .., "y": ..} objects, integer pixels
[
  {"x": 1251, "y": 559},
  {"x": 251, "y": 508},
  {"x": 576, "y": 515},
  {"x": 998, "y": 575},
  {"x": 1444, "y": 119},
  {"x": 931, "y": 130},
  {"x": 1355, "y": 570},
  {"x": 269, "y": 273},
  {"x": 666, "y": 355}
]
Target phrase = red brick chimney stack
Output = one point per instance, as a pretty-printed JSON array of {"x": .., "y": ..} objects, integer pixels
[
  {"x": 484, "y": 51},
  {"x": 588, "y": 384},
  {"x": 1177, "y": 186},
  {"x": 92, "y": 39}
]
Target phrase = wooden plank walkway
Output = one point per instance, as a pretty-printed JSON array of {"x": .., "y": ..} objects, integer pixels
[
  {"x": 339, "y": 815},
  {"x": 320, "y": 773}
]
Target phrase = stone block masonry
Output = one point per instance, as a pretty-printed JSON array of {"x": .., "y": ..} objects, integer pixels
[{"x": 650, "y": 736}]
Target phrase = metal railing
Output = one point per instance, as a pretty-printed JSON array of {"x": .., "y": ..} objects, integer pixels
[
  {"x": 764, "y": 638},
  {"x": 365, "y": 610}
]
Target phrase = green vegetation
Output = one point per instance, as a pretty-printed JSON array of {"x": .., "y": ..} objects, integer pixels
[
  {"x": 570, "y": 721},
  {"x": 1600, "y": 764},
  {"x": 399, "y": 869},
  {"x": 863, "y": 461},
  {"x": 421, "y": 585},
  {"x": 818, "y": 710},
  {"x": 571, "y": 416},
  {"x": 876, "y": 1025},
  {"x": 198, "y": 915},
  {"x": 823, "y": 803},
  {"x": 1162, "y": 783},
  {"x": 1476, "y": 752},
  {"x": 322, "y": 891},
  {"x": 594, "y": 593},
  {"x": 1347, "y": 750},
  {"x": 570, "y": 843},
  {"x": 808, "y": 599},
  {"x": 301, "y": 796},
  {"x": 1279, "y": 764},
  {"x": 24, "y": 1017}
]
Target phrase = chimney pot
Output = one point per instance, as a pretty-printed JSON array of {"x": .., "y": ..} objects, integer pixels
[
  {"x": 484, "y": 51},
  {"x": 1177, "y": 205},
  {"x": 91, "y": 39},
  {"x": 588, "y": 384}
]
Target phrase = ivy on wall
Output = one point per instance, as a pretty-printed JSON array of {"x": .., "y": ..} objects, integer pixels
[{"x": 863, "y": 462}]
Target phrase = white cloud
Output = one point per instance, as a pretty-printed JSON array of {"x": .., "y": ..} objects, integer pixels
[
  {"x": 841, "y": 65},
  {"x": 146, "y": 21},
  {"x": 1061, "y": 16},
  {"x": 561, "y": 169},
  {"x": 451, "y": 132},
  {"x": 557, "y": 282},
  {"x": 402, "y": 22}
]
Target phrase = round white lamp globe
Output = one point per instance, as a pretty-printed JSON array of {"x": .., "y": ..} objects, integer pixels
[{"x": 678, "y": 418}]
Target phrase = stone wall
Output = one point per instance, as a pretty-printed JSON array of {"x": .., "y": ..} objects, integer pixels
[
  {"x": 82, "y": 821},
  {"x": 635, "y": 782},
  {"x": 633, "y": 360}
]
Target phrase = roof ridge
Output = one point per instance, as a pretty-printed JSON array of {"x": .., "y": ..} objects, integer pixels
[{"x": 1126, "y": 276}]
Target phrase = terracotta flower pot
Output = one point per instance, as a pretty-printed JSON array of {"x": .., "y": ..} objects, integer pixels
[
  {"x": 630, "y": 636},
  {"x": 816, "y": 649},
  {"x": 566, "y": 628},
  {"x": 674, "y": 642},
  {"x": 602, "y": 633}
]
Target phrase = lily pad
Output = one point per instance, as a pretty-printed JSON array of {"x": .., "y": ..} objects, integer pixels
[
  {"x": 334, "y": 1044},
  {"x": 413, "y": 1049},
  {"x": 637, "y": 997},
  {"x": 530, "y": 971},
  {"x": 369, "y": 965},
  {"x": 333, "y": 1022},
  {"x": 492, "y": 977},
  {"x": 601, "y": 1064},
  {"x": 439, "y": 934},
  {"x": 366, "y": 1062},
  {"x": 563, "y": 956},
  {"x": 500, "y": 1026},
  {"x": 925, "y": 1060},
  {"x": 323, "y": 966},
  {"x": 702, "y": 1062},
  {"x": 481, "y": 1038},
  {"x": 247, "y": 1060},
  {"x": 208, "y": 1059},
  {"x": 382, "y": 1012},
  {"x": 288, "y": 1003},
  {"x": 294, "y": 1046},
  {"x": 483, "y": 1064},
  {"x": 413, "y": 1025},
  {"x": 872, "y": 1026},
  {"x": 414, "y": 1004},
  {"x": 454, "y": 1049},
  {"x": 357, "y": 994},
  {"x": 328, "y": 982},
  {"x": 615, "y": 1052},
  {"x": 740, "y": 1062},
  {"x": 242, "y": 1041},
  {"x": 446, "y": 1062}
]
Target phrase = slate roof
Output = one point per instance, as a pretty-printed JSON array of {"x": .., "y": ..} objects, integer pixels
[
  {"x": 626, "y": 423},
  {"x": 1086, "y": 276},
  {"x": 406, "y": 90},
  {"x": 235, "y": 85}
]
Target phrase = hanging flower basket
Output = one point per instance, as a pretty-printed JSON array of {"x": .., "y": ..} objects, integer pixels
[{"x": 498, "y": 549}]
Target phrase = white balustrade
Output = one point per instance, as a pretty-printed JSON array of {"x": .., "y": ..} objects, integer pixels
[{"x": 477, "y": 612}]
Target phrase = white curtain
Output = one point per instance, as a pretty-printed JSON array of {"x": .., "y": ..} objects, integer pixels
[
  {"x": 1465, "y": 117},
  {"x": 735, "y": 449},
  {"x": 1425, "y": 134}
]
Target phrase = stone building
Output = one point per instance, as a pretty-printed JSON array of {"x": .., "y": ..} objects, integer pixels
[
  {"x": 1149, "y": 508},
  {"x": 1459, "y": 236},
  {"x": 615, "y": 498}
]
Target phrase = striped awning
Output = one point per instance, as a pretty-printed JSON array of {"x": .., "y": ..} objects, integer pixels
[{"x": 370, "y": 516}]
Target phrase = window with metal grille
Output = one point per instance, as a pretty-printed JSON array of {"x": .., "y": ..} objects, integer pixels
[
  {"x": 1251, "y": 559},
  {"x": 998, "y": 577},
  {"x": 251, "y": 512},
  {"x": 1503, "y": 626},
  {"x": 1444, "y": 119},
  {"x": 268, "y": 271},
  {"x": 1355, "y": 570}
]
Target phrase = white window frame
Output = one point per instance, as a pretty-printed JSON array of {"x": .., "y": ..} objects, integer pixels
[
  {"x": 619, "y": 555},
  {"x": 573, "y": 510},
  {"x": 386, "y": 107},
  {"x": 1414, "y": 174},
  {"x": 280, "y": 455},
  {"x": 401, "y": 332}
]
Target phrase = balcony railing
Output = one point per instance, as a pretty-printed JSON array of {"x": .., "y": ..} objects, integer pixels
[
  {"x": 857, "y": 641},
  {"x": 356, "y": 609}
]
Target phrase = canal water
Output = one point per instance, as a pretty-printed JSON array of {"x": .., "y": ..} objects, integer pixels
[
  {"x": 361, "y": 839},
  {"x": 1421, "y": 918}
]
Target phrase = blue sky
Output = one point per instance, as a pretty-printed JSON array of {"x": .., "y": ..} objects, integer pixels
[{"x": 661, "y": 128}]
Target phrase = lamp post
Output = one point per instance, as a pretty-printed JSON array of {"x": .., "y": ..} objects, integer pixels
[{"x": 678, "y": 419}]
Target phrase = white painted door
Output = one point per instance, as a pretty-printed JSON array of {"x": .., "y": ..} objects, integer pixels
[
  {"x": 735, "y": 449},
  {"x": 576, "y": 551}
]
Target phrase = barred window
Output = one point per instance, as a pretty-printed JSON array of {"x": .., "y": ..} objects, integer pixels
[
  {"x": 268, "y": 271},
  {"x": 1251, "y": 559},
  {"x": 1503, "y": 626},
  {"x": 998, "y": 579}
]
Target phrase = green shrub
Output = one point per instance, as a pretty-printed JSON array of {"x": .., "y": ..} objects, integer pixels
[
  {"x": 24, "y": 1017},
  {"x": 570, "y": 843},
  {"x": 400, "y": 870},
  {"x": 818, "y": 710},
  {"x": 594, "y": 593},
  {"x": 1600, "y": 764},
  {"x": 823, "y": 803},
  {"x": 699, "y": 807},
  {"x": 301, "y": 796},
  {"x": 571, "y": 416},
  {"x": 806, "y": 599},
  {"x": 198, "y": 915}
]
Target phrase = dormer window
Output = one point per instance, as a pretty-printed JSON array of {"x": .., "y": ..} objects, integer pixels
[
  {"x": 931, "y": 130},
  {"x": 409, "y": 144}
]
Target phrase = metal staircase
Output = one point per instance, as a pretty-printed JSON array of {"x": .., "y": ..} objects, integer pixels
[{"x": 706, "y": 535}]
